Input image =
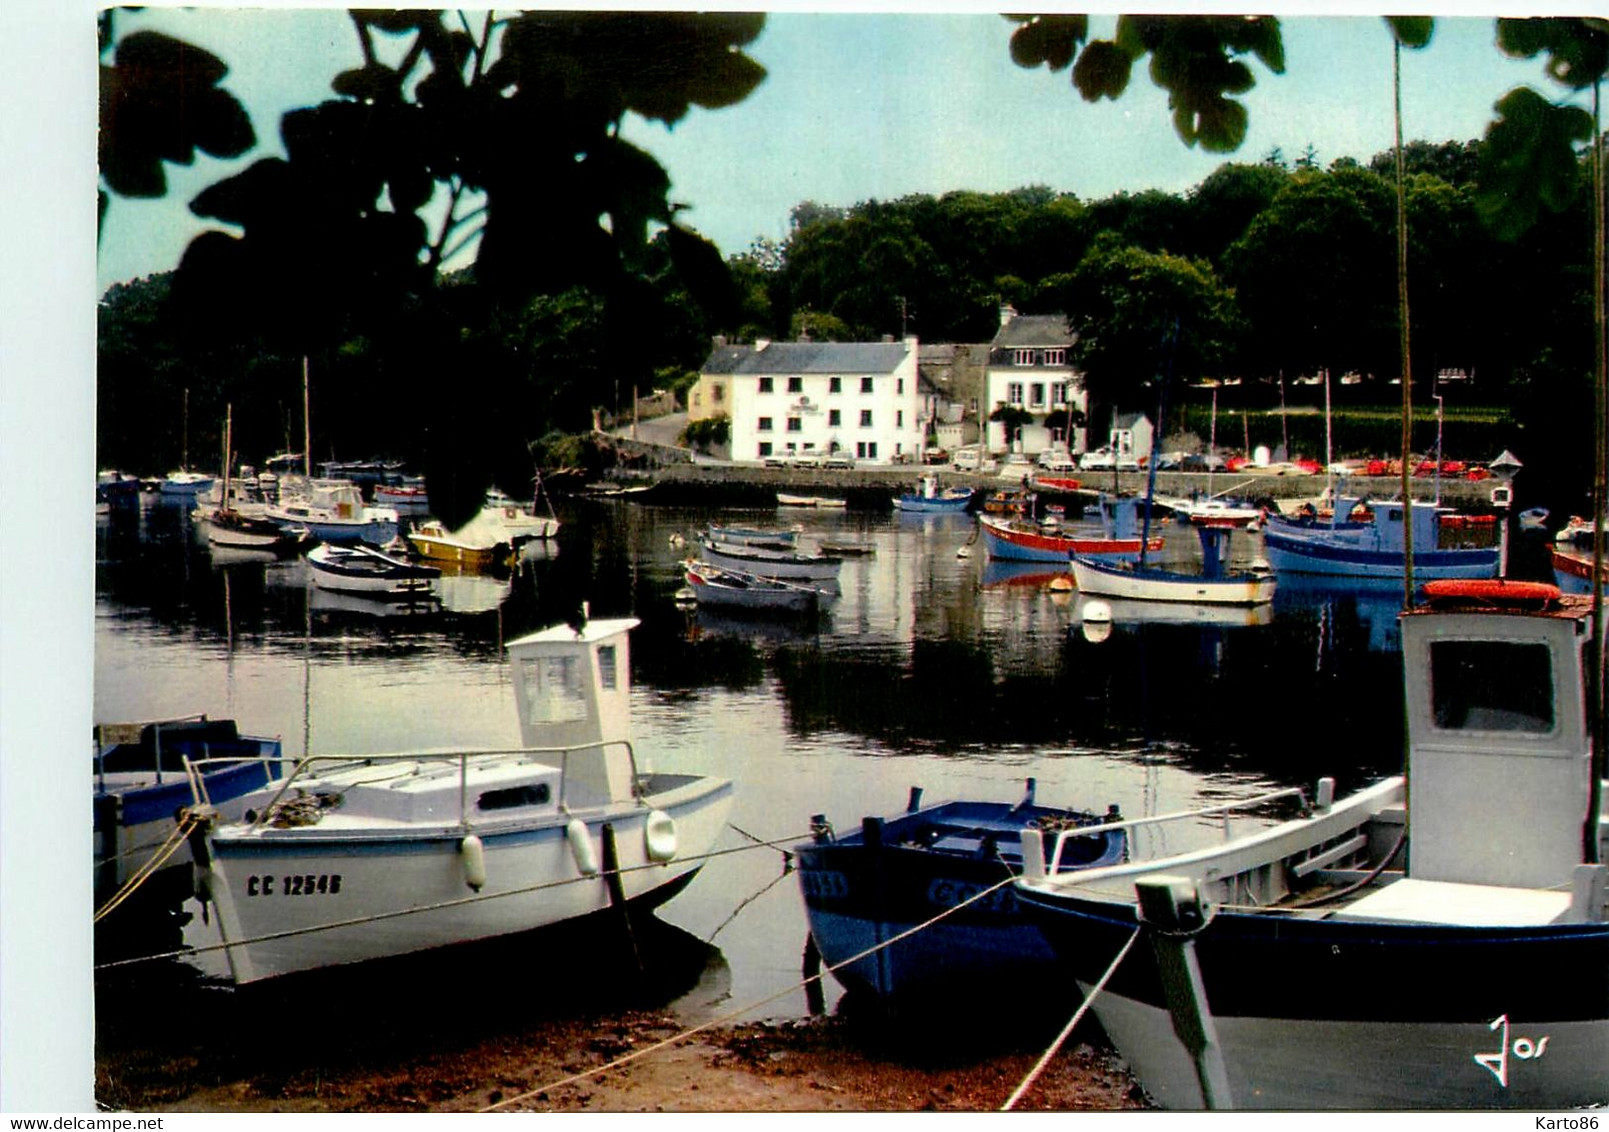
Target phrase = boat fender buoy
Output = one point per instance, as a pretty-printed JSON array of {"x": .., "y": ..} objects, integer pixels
[
  {"x": 581, "y": 847},
  {"x": 1061, "y": 583},
  {"x": 1492, "y": 591},
  {"x": 1097, "y": 612},
  {"x": 659, "y": 834},
  {"x": 473, "y": 854}
]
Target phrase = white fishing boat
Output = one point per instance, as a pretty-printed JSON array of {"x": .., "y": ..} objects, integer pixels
[
  {"x": 771, "y": 562},
  {"x": 1437, "y": 940},
  {"x": 356, "y": 858},
  {"x": 516, "y": 522},
  {"x": 824, "y": 502},
  {"x": 1214, "y": 584},
  {"x": 359, "y": 569},
  {"x": 334, "y": 511},
  {"x": 711, "y": 585}
]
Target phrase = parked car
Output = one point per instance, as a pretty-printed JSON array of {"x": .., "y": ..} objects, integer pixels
[
  {"x": 1203, "y": 462},
  {"x": 973, "y": 458},
  {"x": 1015, "y": 466},
  {"x": 1056, "y": 460},
  {"x": 1097, "y": 460},
  {"x": 837, "y": 460}
]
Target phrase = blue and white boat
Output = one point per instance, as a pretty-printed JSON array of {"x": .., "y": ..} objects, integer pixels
[
  {"x": 334, "y": 511},
  {"x": 865, "y": 887},
  {"x": 183, "y": 485},
  {"x": 1437, "y": 940},
  {"x": 929, "y": 498},
  {"x": 1215, "y": 584},
  {"x": 353, "y": 858},
  {"x": 743, "y": 536},
  {"x": 141, "y": 783},
  {"x": 360, "y": 569},
  {"x": 1446, "y": 544}
]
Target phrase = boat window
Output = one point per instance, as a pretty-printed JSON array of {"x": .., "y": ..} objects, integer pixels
[
  {"x": 556, "y": 690},
  {"x": 606, "y": 666},
  {"x": 1491, "y": 686},
  {"x": 531, "y": 794}
]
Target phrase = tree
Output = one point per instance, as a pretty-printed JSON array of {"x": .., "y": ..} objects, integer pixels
[
  {"x": 496, "y": 140},
  {"x": 1129, "y": 309}
]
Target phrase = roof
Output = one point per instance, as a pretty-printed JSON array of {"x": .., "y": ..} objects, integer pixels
[
  {"x": 1129, "y": 420},
  {"x": 1034, "y": 330},
  {"x": 808, "y": 357},
  {"x": 590, "y": 631}
]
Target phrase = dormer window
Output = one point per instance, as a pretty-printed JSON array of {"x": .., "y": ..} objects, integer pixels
[
  {"x": 1022, "y": 357},
  {"x": 1056, "y": 357}
]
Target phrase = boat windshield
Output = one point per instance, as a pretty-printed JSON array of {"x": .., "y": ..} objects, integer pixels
[{"x": 1491, "y": 686}]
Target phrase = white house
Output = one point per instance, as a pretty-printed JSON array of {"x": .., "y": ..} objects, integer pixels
[
  {"x": 1131, "y": 435},
  {"x": 859, "y": 398},
  {"x": 1029, "y": 370}
]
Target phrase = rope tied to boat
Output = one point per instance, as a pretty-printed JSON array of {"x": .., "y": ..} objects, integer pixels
[
  {"x": 304, "y": 809},
  {"x": 1072, "y": 1024},
  {"x": 157, "y": 859}
]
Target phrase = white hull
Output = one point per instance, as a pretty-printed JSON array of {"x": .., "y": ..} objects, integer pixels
[
  {"x": 267, "y": 883},
  {"x": 1276, "y": 1063},
  {"x": 1248, "y": 590}
]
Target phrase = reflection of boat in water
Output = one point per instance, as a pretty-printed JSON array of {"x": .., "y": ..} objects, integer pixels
[
  {"x": 371, "y": 605},
  {"x": 1375, "y": 602},
  {"x": 1001, "y": 574},
  {"x": 354, "y": 858},
  {"x": 469, "y": 591},
  {"x": 1124, "y": 611}
]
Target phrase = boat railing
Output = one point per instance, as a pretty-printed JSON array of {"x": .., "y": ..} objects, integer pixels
[
  {"x": 306, "y": 767},
  {"x": 195, "y": 770},
  {"x": 1054, "y": 863}
]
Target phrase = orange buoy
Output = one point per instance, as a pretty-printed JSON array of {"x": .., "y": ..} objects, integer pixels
[{"x": 1492, "y": 591}]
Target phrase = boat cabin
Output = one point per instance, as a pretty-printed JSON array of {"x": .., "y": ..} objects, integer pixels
[
  {"x": 1499, "y": 752},
  {"x": 572, "y": 689}
]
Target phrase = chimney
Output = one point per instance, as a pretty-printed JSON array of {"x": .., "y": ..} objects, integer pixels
[
  {"x": 720, "y": 341},
  {"x": 761, "y": 344},
  {"x": 888, "y": 338},
  {"x": 1007, "y": 313}
]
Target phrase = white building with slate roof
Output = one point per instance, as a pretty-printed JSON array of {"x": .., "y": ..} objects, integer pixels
[
  {"x": 822, "y": 398},
  {"x": 1029, "y": 370}
]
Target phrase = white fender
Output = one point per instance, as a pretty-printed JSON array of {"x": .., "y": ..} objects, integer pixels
[
  {"x": 660, "y": 834},
  {"x": 473, "y": 854},
  {"x": 581, "y": 847}
]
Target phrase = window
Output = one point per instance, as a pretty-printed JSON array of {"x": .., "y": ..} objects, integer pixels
[
  {"x": 834, "y": 418},
  {"x": 865, "y": 385},
  {"x": 1036, "y": 395},
  {"x": 866, "y": 450},
  {"x": 717, "y": 393},
  {"x": 865, "y": 418},
  {"x": 899, "y": 418},
  {"x": 765, "y": 385},
  {"x": 764, "y": 425},
  {"x": 1491, "y": 686},
  {"x": 899, "y": 385},
  {"x": 1022, "y": 357},
  {"x": 1058, "y": 395},
  {"x": 835, "y": 385},
  {"x": 795, "y": 424},
  {"x": 1056, "y": 357},
  {"x": 1014, "y": 393},
  {"x": 765, "y": 449},
  {"x": 555, "y": 690},
  {"x": 531, "y": 794},
  {"x": 606, "y": 666},
  {"x": 795, "y": 385}
]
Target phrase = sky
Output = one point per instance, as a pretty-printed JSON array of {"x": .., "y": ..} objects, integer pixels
[{"x": 877, "y": 105}]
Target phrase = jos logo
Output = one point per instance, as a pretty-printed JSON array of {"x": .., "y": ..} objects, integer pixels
[{"x": 1522, "y": 1049}]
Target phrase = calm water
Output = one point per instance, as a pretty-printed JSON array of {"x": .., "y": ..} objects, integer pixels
[{"x": 931, "y": 668}]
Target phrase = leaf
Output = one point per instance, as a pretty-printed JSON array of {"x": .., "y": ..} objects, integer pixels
[
  {"x": 703, "y": 272},
  {"x": 1412, "y": 32},
  {"x": 1051, "y": 40},
  {"x": 1529, "y": 160},
  {"x": 1102, "y": 71},
  {"x": 1577, "y": 49},
  {"x": 368, "y": 84},
  {"x": 159, "y": 102}
]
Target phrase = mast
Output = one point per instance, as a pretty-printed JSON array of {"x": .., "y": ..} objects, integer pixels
[
  {"x": 184, "y": 443},
  {"x": 228, "y": 444},
  {"x": 307, "y": 427}
]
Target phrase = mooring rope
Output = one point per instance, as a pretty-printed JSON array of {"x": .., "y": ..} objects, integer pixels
[
  {"x": 140, "y": 875},
  {"x": 1078, "y": 1016},
  {"x": 733, "y": 1015},
  {"x": 377, "y": 917}
]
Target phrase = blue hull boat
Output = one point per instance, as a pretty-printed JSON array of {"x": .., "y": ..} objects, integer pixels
[
  {"x": 1446, "y": 544},
  {"x": 864, "y": 888}
]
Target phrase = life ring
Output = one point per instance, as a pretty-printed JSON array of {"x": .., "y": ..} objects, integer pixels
[{"x": 1492, "y": 591}]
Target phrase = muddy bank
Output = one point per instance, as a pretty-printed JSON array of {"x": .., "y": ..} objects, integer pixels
[{"x": 515, "y": 1024}]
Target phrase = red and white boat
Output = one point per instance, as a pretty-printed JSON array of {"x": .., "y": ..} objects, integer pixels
[{"x": 1023, "y": 541}]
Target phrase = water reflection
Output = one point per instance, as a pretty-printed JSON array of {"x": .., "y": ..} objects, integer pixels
[{"x": 933, "y": 667}]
